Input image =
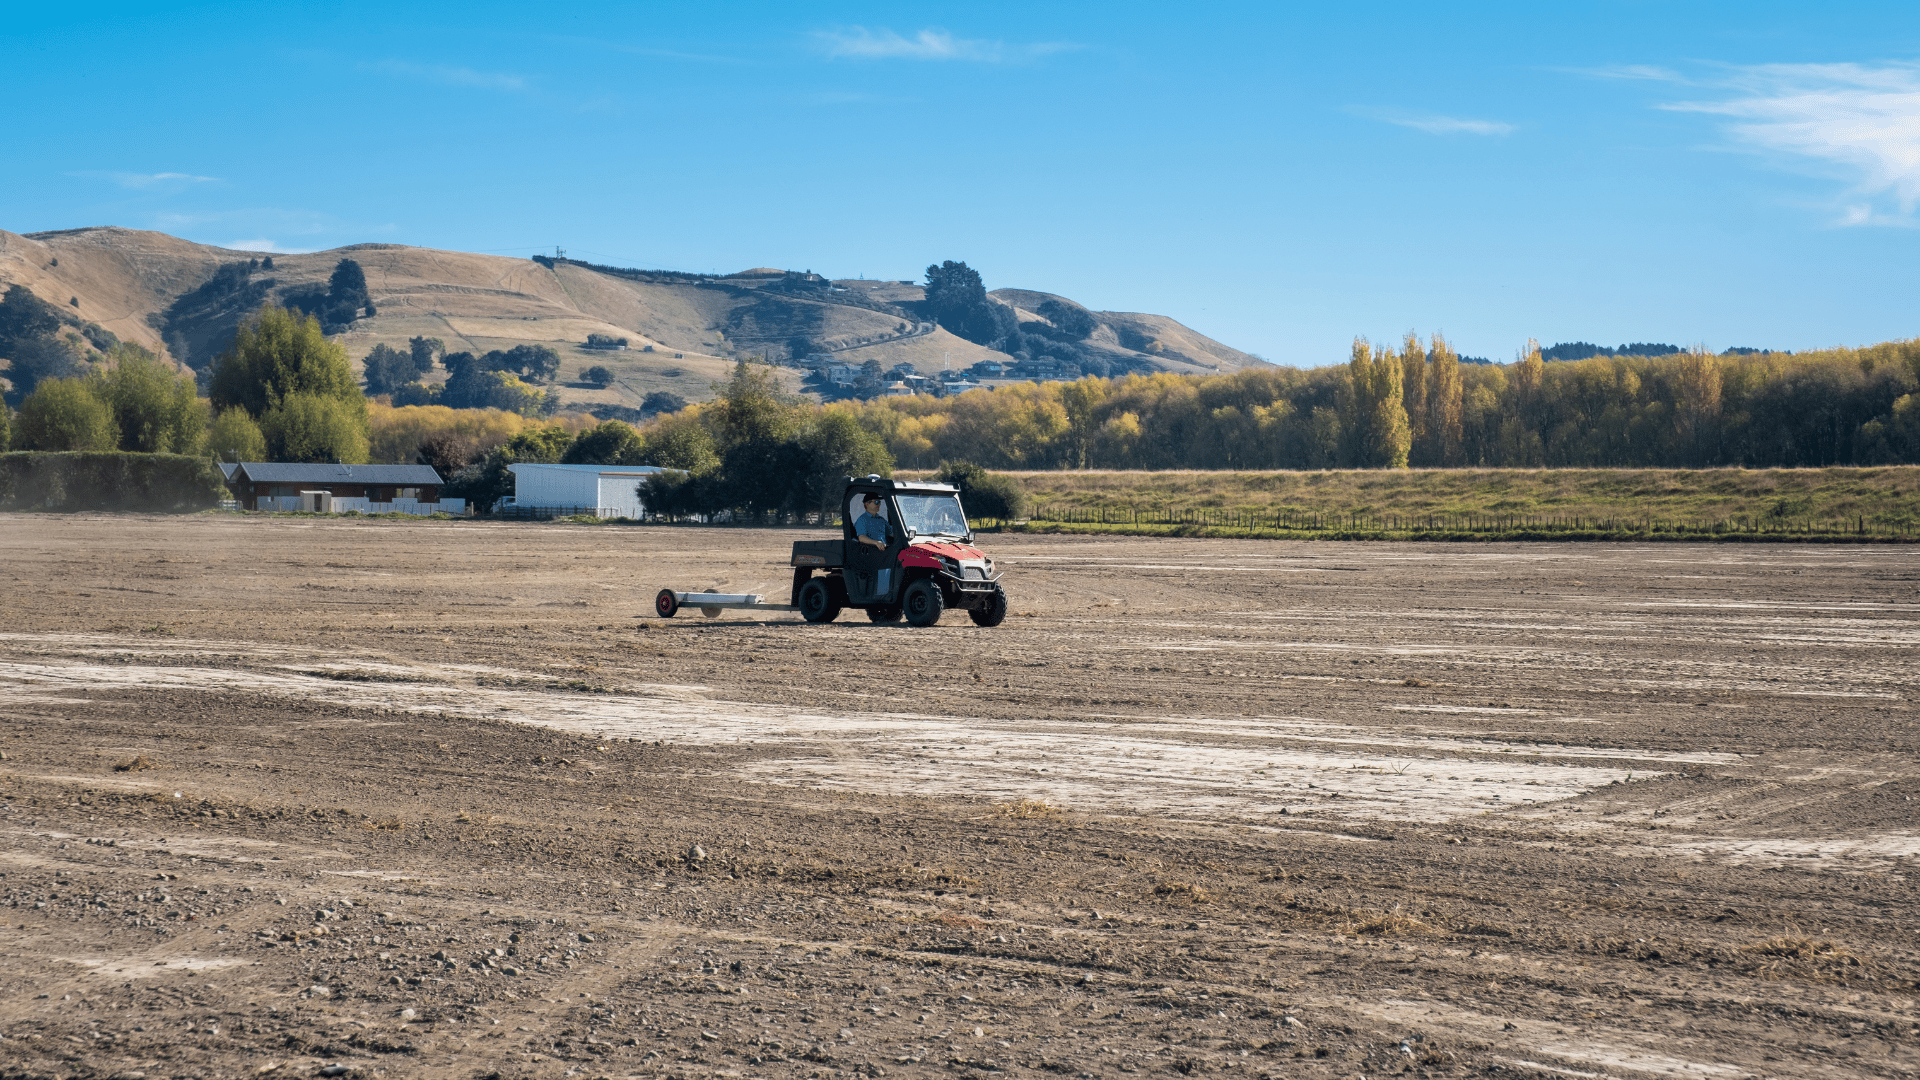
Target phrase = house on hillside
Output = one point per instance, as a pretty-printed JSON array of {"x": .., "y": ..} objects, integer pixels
[
  {"x": 1045, "y": 368},
  {"x": 989, "y": 369},
  {"x": 370, "y": 489},
  {"x": 606, "y": 491}
]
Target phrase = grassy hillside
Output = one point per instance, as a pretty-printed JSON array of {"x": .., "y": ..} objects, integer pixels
[
  {"x": 171, "y": 296},
  {"x": 1885, "y": 495}
]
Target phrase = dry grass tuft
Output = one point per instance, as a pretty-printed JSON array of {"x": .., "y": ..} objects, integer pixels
[
  {"x": 1393, "y": 924},
  {"x": 382, "y": 824},
  {"x": 1180, "y": 890},
  {"x": 1799, "y": 948},
  {"x": 1026, "y": 808},
  {"x": 138, "y": 764}
]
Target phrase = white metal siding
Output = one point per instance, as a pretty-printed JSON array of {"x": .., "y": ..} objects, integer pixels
[
  {"x": 609, "y": 491},
  {"x": 555, "y": 487},
  {"x": 619, "y": 495}
]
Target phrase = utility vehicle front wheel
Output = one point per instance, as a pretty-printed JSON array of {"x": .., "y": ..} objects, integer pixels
[
  {"x": 923, "y": 603},
  {"x": 817, "y": 603},
  {"x": 994, "y": 613}
]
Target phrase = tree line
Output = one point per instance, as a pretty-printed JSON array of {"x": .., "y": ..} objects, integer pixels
[{"x": 1420, "y": 405}]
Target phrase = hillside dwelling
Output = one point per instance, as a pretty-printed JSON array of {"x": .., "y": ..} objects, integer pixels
[
  {"x": 990, "y": 369},
  {"x": 898, "y": 389},
  {"x": 901, "y": 371},
  {"x": 369, "y": 489},
  {"x": 607, "y": 491},
  {"x": 841, "y": 374}
]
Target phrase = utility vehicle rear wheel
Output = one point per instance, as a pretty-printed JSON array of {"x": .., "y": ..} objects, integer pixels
[
  {"x": 884, "y": 614},
  {"x": 994, "y": 613},
  {"x": 816, "y": 602},
  {"x": 923, "y": 603}
]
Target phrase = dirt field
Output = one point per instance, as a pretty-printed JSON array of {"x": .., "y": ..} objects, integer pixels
[{"x": 303, "y": 797}]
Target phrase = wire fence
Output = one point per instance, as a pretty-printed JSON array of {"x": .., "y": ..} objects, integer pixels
[{"x": 1369, "y": 521}]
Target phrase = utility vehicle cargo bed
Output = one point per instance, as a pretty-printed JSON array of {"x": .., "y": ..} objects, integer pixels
[{"x": 827, "y": 553}]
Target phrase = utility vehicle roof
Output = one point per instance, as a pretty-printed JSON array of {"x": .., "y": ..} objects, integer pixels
[{"x": 905, "y": 487}]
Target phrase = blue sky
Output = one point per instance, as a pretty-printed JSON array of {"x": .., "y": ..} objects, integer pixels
[{"x": 1280, "y": 176}]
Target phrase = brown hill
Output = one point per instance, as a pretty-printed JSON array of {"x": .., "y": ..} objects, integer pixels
[{"x": 184, "y": 299}]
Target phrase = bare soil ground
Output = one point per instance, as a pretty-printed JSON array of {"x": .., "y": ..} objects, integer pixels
[{"x": 303, "y": 797}]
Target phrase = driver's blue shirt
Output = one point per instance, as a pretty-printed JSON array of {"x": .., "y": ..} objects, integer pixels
[{"x": 871, "y": 526}]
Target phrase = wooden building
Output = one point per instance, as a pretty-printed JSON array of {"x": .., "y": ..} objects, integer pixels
[{"x": 266, "y": 485}]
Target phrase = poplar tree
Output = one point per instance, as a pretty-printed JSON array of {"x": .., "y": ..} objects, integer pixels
[
  {"x": 1381, "y": 434},
  {"x": 1413, "y": 394},
  {"x": 1699, "y": 404},
  {"x": 1444, "y": 428}
]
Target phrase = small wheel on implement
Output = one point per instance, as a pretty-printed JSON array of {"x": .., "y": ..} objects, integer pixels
[
  {"x": 817, "y": 602},
  {"x": 884, "y": 614},
  {"x": 923, "y": 603},
  {"x": 666, "y": 604},
  {"x": 994, "y": 613}
]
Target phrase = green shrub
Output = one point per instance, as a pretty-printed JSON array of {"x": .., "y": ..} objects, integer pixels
[
  {"x": 163, "y": 483},
  {"x": 66, "y": 414},
  {"x": 984, "y": 494}
]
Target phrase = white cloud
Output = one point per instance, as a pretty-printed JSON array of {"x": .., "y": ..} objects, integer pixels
[
  {"x": 147, "y": 181},
  {"x": 1437, "y": 125},
  {"x": 271, "y": 247},
  {"x": 1860, "y": 121},
  {"x": 930, "y": 44},
  {"x": 447, "y": 75},
  {"x": 1636, "y": 72}
]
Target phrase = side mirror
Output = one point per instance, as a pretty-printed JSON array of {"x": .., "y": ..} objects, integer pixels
[{"x": 912, "y": 532}]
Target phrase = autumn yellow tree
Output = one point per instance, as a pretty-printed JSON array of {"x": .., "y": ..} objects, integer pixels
[
  {"x": 1413, "y": 394},
  {"x": 1380, "y": 432},
  {"x": 1698, "y": 413},
  {"x": 1444, "y": 435}
]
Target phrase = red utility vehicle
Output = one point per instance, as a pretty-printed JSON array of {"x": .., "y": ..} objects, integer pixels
[
  {"x": 925, "y": 565},
  {"x": 920, "y": 563}
]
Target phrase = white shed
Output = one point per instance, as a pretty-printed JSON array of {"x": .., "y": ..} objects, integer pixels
[{"x": 601, "y": 490}]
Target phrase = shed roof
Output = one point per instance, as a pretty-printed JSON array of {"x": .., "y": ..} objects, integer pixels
[
  {"x": 603, "y": 470},
  {"x": 275, "y": 472}
]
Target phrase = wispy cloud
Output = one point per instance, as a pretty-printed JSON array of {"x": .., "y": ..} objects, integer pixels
[
  {"x": 271, "y": 247},
  {"x": 1634, "y": 72},
  {"x": 148, "y": 181},
  {"x": 862, "y": 43},
  {"x": 1434, "y": 124},
  {"x": 449, "y": 75},
  {"x": 1859, "y": 121}
]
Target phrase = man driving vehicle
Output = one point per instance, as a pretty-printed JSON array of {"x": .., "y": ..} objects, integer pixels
[
  {"x": 871, "y": 528},
  {"x": 871, "y": 531}
]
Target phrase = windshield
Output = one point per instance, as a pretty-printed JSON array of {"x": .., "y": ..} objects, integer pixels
[{"x": 932, "y": 515}]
